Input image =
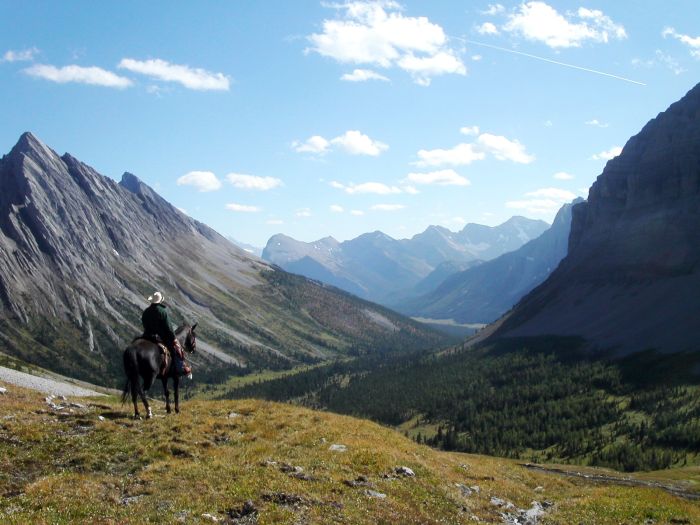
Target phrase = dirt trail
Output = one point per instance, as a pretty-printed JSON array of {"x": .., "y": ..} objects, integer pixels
[{"x": 676, "y": 490}]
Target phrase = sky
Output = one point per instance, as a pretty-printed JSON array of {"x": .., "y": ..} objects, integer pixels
[{"x": 338, "y": 118}]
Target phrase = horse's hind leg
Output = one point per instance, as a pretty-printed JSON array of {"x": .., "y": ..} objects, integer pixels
[
  {"x": 142, "y": 392},
  {"x": 167, "y": 394},
  {"x": 134, "y": 384},
  {"x": 149, "y": 414}
]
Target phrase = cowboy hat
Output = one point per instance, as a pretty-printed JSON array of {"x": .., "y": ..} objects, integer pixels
[{"x": 156, "y": 298}]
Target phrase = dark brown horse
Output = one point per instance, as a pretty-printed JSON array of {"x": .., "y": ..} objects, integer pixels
[{"x": 144, "y": 358}]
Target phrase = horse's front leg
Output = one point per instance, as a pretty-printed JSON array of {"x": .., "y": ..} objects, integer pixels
[
  {"x": 167, "y": 394},
  {"x": 176, "y": 385}
]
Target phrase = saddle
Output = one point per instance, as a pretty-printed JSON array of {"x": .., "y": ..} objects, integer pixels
[{"x": 167, "y": 358}]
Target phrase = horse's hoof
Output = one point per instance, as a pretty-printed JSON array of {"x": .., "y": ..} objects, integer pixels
[
  {"x": 137, "y": 417},
  {"x": 168, "y": 410}
]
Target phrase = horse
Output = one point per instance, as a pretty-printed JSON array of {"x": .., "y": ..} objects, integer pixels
[{"x": 144, "y": 358}]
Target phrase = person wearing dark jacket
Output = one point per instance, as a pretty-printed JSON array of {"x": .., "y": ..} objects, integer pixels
[{"x": 156, "y": 326}]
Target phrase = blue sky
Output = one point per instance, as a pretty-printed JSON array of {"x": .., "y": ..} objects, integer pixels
[{"x": 334, "y": 118}]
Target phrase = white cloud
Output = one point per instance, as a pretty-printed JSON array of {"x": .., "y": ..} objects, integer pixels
[
  {"x": 242, "y": 208},
  {"x": 476, "y": 58},
  {"x": 540, "y": 22},
  {"x": 253, "y": 182},
  {"x": 378, "y": 34},
  {"x": 469, "y": 130},
  {"x": 95, "y": 76},
  {"x": 202, "y": 180},
  {"x": 424, "y": 68},
  {"x": 388, "y": 207},
  {"x": 458, "y": 222},
  {"x": 335, "y": 208},
  {"x": 460, "y": 155},
  {"x": 316, "y": 145},
  {"x": 494, "y": 9},
  {"x": 274, "y": 221},
  {"x": 595, "y": 122},
  {"x": 363, "y": 75},
  {"x": 669, "y": 62},
  {"x": 505, "y": 149},
  {"x": 609, "y": 154},
  {"x": 562, "y": 175},
  {"x": 487, "y": 28},
  {"x": 352, "y": 142},
  {"x": 23, "y": 55},
  {"x": 693, "y": 43},
  {"x": 357, "y": 213},
  {"x": 377, "y": 188},
  {"x": 545, "y": 201},
  {"x": 441, "y": 178},
  {"x": 303, "y": 212},
  {"x": 663, "y": 59},
  {"x": 552, "y": 193},
  {"x": 357, "y": 143},
  {"x": 548, "y": 123},
  {"x": 191, "y": 78},
  {"x": 411, "y": 190}
]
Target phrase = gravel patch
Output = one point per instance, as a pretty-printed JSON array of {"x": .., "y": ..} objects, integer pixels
[{"x": 43, "y": 384}]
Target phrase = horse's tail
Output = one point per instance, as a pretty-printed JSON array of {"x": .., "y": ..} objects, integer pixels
[
  {"x": 127, "y": 389},
  {"x": 130, "y": 370}
]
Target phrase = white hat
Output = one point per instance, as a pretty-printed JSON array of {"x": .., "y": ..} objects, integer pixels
[{"x": 156, "y": 298}]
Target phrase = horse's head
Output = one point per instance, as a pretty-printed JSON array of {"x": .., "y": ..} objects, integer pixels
[{"x": 191, "y": 340}]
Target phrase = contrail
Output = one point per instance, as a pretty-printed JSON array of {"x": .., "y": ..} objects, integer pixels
[{"x": 543, "y": 59}]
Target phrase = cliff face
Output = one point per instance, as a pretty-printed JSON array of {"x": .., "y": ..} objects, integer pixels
[
  {"x": 631, "y": 280},
  {"x": 79, "y": 253}
]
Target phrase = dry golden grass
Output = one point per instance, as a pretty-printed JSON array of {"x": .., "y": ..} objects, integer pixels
[{"x": 61, "y": 467}]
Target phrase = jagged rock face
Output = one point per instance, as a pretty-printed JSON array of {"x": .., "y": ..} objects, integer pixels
[
  {"x": 61, "y": 219},
  {"x": 379, "y": 268},
  {"x": 631, "y": 280},
  {"x": 79, "y": 253},
  {"x": 483, "y": 293}
]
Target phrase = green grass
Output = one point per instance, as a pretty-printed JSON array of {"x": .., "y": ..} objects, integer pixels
[{"x": 77, "y": 468}]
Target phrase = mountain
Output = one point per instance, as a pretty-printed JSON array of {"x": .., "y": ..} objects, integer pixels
[
  {"x": 255, "y": 250},
  {"x": 377, "y": 267},
  {"x": 631, "y": 279},
  {"x": 483, "y": 293},
  {"x": 79, "y": 253}
]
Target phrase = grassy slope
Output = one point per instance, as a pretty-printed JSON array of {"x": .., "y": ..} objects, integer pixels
[{"x": 76, "y": 468}]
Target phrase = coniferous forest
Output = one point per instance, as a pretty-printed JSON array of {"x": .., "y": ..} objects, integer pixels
[{"x": 539, "y": 401}]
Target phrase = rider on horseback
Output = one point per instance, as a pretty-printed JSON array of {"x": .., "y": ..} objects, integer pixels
[{"x": 156, "y": 327}]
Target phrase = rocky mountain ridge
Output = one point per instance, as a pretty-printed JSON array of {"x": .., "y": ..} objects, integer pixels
[
  {"x": 631, "y": 279},
  {"x": 377, "y": 267},
  {"x": 483, "y": 293}
]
